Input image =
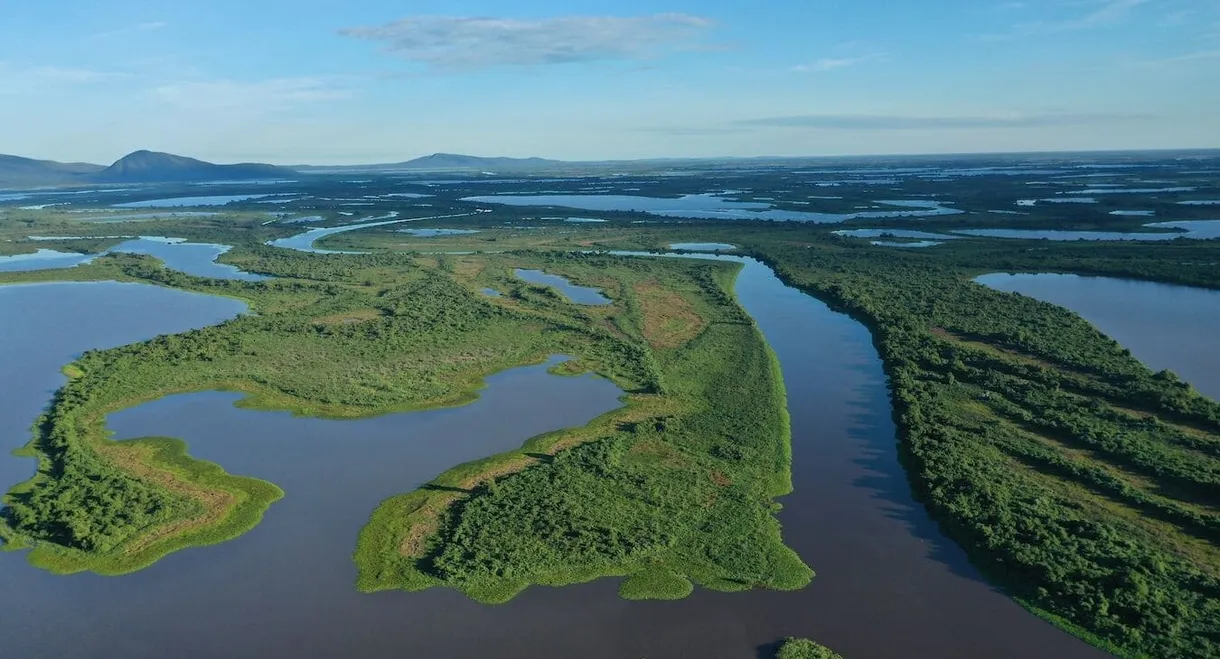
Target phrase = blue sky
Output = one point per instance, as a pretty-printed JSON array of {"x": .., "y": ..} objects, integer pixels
[{"x": 348, "y": 81}]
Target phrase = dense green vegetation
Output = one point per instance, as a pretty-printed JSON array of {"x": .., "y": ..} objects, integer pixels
[
  {"x": 1078, "y": 479},
  {"x": 666, "y": 497},
  {"x": 354, "y": 336},
  {"x": 803, "y": 648}
]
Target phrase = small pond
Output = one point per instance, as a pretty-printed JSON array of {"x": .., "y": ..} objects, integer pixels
[
  {"x": 703, "y": 247},
  {"x": 577, "y": 294}
]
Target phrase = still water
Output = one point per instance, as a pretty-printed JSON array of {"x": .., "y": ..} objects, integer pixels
[
  {"x": 703, "y": 247},
  {"x": 888, "y": 586},
  {"x": 197, "y": 259},
  {"x": 1163, "y": 325},
  {"x": 175, "y": 202},
  {"x": 1193, "y": 229},
  {"x": 303, "y": 242},
  {"x": 705, "y": 206},
  {"x": 578, "y": 294},
  {"x": 43, "y": 259},
  {"x": 46, "y": 326}
]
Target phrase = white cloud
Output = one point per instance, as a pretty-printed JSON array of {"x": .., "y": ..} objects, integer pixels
[
  {"x": 465, "y": 43},
  {"x": 257, "y": 96},
  {"x": 19, "y": 80},
  {"x": 899, "y": 122},
  {"x": 1104, "y": 13},
  {"x": 831, "y": 64},
  {"x": 1198, "y": 56},
  {"x": 131, "y": 29}
]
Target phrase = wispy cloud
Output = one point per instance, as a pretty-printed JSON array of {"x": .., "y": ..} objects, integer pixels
[
  {"x": 898, "y": 122},
  {"x": 131, "y": 29},
  {"x": 257, "y": 96},
  {"x": 682, "y": 131},
  {"x": 1103, "y": 13},
  {"x": 832, "y": 64},
  {"x": 465, "y": 43},
  {"x": 1198, "y": 56},
  {"x": 16, "y": 80}
]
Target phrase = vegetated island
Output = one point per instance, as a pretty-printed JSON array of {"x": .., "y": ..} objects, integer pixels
[
  {"x": 676, "y": 487},
  {"x": 803, "y": 648}
]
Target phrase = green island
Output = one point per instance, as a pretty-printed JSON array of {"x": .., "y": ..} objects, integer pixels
[
  {"x": 693, "y": 460},
  {"x": 803, "y": 648},
  {"x": 1077, "y": 479}
]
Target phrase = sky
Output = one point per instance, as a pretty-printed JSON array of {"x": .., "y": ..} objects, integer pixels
[{"x": 367, "y": 81}]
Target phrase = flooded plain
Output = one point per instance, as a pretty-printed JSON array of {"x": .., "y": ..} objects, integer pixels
[
  {"x": 708, "y": 206},
  {"x": 888, "y": 585}
]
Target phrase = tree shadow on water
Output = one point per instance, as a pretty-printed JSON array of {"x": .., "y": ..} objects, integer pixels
[
  {"x": 885, "y": 477},
  {"x": 768, "y": 650}
]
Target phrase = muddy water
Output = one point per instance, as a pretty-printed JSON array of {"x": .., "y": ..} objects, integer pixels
[{"x": 889, "y": 585}]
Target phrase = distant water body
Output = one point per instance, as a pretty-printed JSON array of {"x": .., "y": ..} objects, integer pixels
[{"x": 709, "y": 206}]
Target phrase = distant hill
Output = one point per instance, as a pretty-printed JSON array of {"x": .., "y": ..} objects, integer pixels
[
  {"x": 450, "y": 161},
  {"x": 18, "y": 172},
  {"x": 154, "y": 167}
]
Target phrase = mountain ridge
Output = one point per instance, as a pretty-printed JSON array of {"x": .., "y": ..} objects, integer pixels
[{"x": 155, "y": 167}]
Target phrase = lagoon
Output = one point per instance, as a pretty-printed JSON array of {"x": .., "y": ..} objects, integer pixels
[
  {"x": 198, "y": 259},
  {"x": 703, "y": 247},
  {"x": 896, "y": 233},
  {"x": 1193, "y": 229},
  {"x": 705, "y": 206},
  {"x": 577, "y": 294},
  {"x": 43, "y": 259},
  {"x": 303, "y": 242},
  {"x": 1163, "y": 325},
  {"x": 173, "y": 202}
]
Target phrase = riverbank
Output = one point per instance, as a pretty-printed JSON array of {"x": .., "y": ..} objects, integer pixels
[{"x": 1009, "y": 410}]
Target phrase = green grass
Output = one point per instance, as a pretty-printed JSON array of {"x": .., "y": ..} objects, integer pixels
[
  {"x": 251, "y": 498},
  {"x": 803, "y": 648},
  {"x": 671, "y": 490},
  {"x": 704, "y": 429}
]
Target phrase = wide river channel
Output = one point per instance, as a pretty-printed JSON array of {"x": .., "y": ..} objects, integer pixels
[{"x": 888, "y": 585}]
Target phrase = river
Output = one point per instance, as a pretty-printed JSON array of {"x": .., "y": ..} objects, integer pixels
[{"x": 888, "y": 584}]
